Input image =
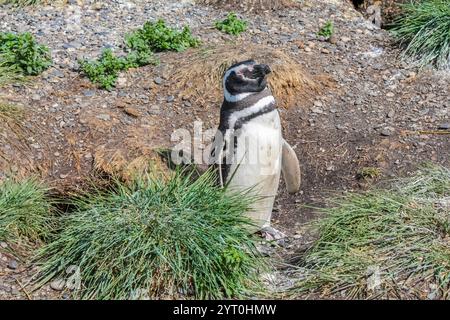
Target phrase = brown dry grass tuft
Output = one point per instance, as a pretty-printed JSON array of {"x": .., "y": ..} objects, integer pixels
[
  {"x": 198, "y": 76},
  {"x": 251, "y": 5},
  {"x": 127, "y": 166},
  {"x": 14, "y": 147}
]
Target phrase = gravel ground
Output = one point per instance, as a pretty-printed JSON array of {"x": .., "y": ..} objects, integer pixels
[{"x": 371, "y": 114}]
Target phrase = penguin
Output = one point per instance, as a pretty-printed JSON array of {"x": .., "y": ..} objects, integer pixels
[{"x": 248, "y": 150}]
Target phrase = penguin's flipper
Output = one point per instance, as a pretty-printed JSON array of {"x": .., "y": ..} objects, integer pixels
[
  {"x": 216, "y": 156},
  {"x": 290, "y": 168}
]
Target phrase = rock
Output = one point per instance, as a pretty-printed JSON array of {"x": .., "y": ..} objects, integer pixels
[
  {"x": 58, "y": 284},
  {"x": 444, "y": 126},
  {"x": 332, "y": 39},
  {"x": 318, "y": 103},
  {"x": 12, "y": 265},
  {"x": 386, "y": 132},
  {"x": 390, "y": 95},
  {"x": 391, "y": 114},
  {"x": 104, "y": 117},
  {"x": 121, "y": 82},
  {"x": 3, "y": 245},
  {"x": 88, "y": 93},
  {"x": 131, "y": 112},
  {"x": 158, "y": 80},
  {"x": 170, "y": 99}
]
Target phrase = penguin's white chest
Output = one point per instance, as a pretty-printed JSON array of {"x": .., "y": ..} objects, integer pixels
[{"x": 257, "y": 162}]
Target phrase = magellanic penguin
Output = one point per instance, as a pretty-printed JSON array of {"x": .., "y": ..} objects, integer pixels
[{"x": 248, "y": 149}]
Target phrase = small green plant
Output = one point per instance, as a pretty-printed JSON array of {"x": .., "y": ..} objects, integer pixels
[
  {"x": 106, "y": 69},
  {"x": 385, "y": 243},
  {"x": 26, "y": 214},
  {"x": 368, "y": 173},
  {"x": 162, "y": 237},
  {"x": 21, "y": 51},
  {"x": 157, "y": 36},
  {"x": 231, "y": 25},
  {"x": 140, "y": 45},
  {"x": 423, "y": 31},
  {"x": 327, "y": 30}
]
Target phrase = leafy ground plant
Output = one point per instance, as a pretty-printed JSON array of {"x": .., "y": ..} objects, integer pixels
[
  {"x": 384, "y": 243},
  {"x": 106, "y": 69},
  {"x": 327, "y": 30},
  {"x": 424, "y": 31},
  {"x": 26, "y": 214},
  {"x": 231, "y": 25},
  {"x": 140, "y": 44},
  {"x": 21, "y": 51},
  {"x": 157, "y": 36},
  {"x": 171, "y": 237}
]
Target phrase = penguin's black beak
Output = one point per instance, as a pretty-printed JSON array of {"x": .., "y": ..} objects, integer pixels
[{"x": 261, "y": 70}]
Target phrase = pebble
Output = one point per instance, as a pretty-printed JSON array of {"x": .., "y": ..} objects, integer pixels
[
  {"x": 158, "y": 80},
  {"x": 170, "y": 98},
  {"x": 391, "y": 114},
  {"x": 88, "y": 93},
  {"x": 12, "y": 264},
  {"x": 131, "y": 112},
  {"x": 104, "y": 117},
  {"x": 58, "y": 284},
  {"x": 386, "y": 132},
  {"x": 444, "y": 126}
]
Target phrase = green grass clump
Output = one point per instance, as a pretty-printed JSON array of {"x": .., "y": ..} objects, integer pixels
[
  {"x": 157, "y": 37},
  {"x": 21, "y": 51},
  {"x": 157, "y": 238},
  {"x": 424, "y": 31},
  {"x": 231, "y": 25},
  {"x": 384, "y": 243},
  {"x": 105, "y": 70},
  {"x": 327, "y": 30},
  {"x": 25, "y": 212}
]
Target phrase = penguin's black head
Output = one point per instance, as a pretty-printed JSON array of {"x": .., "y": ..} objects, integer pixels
[{"x": 246, "y": 77}]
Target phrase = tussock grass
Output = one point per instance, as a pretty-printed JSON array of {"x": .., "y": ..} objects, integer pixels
[
  {"x": 384, "y": 243},
  {"x": 199, "y": 74},
  {"x": 26, "y": 215},
  {"x": 424, "y": 31},
  {"x": 158, "y": 238}
]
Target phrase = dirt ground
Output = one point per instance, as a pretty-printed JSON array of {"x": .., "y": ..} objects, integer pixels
[{"x": 373, "y": 110}]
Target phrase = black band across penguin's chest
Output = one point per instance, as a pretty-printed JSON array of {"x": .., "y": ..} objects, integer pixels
[{"x": 236, "y": 111}]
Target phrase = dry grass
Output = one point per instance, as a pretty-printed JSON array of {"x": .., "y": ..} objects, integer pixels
[
  {"x": 198, "y": 76},
  {"x": 126, "y": 165},
  {"x": 15, "y": 152},
  {"x": 251, "y": 5}
]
